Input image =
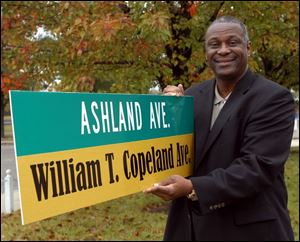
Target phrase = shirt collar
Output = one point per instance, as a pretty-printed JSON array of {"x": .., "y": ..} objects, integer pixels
[{"x": 218, "y": 97}]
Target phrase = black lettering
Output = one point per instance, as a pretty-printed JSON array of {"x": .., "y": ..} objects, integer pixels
[
  {"x": 148, "y": 160},
  {"x": 66, "y": 173},
  {"x": 133, "y": 165},
  {"x": 170, "y": 153},
  {"x": 71, "y": 166},
  {"x": 153, "y": 158},
  {"x": 186, "y": 154},
  {"x": 60, "y": 180},
  {"x": 53, "y": 179},
  {"x": 94, "y": 176},
  {"x": 125, "y": 156},
  {"x": 142, "y": 166},
  {"x": 40, "y": 181},
  {"x": 159, "y": 161},
  {"x": 109, "y": 157},
  {"x": 81, "y": 179}
]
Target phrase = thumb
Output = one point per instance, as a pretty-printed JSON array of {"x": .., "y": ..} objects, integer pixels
[{"x": 180, "y": 86}]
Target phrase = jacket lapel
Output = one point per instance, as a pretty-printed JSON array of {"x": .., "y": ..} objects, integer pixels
[
  {"x": 203, "y": 108},
  {"x": 233, "y": 102}
]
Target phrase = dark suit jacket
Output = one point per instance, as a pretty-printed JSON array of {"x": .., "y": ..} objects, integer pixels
[{"x": 239, "y": 165}]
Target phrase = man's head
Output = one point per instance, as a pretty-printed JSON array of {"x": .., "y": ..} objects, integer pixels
[{"x": 227, "y": 48}]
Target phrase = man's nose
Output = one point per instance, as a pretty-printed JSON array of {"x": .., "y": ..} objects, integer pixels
[{"x": 223, "y": 50}]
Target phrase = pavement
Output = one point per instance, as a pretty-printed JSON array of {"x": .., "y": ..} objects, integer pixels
[
  {"x": 295, "y": 143},
  {"x": 16, "y": 205}
]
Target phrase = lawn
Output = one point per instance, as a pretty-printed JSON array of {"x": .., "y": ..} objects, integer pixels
[
  {"x": 134, "y": 217},
  {"x": 292, "y": 181}
]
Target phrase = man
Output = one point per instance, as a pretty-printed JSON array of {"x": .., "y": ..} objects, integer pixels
[{"x": 243, "y": 132}]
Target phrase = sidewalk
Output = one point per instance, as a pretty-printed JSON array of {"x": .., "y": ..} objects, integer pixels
[
  {"x": 295, "y": 143},
  {"x": 16, "y": 201}
]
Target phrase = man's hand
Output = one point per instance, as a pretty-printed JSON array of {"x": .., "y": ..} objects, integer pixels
[
  {"x": 173, "y": 90},
  {"x": 173, "y": 187}
]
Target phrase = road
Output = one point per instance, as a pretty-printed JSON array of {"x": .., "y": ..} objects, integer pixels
[{"x": 8, "y": 162}]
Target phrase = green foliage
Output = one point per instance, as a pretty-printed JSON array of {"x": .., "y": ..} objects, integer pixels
[{"x": 119, "y": 46}]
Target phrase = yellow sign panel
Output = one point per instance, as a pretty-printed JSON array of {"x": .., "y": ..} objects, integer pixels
[{"x": 58, "y": 182}]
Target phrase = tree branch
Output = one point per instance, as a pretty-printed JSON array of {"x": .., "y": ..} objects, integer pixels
[
  {"x": 113, "y": 63},
  {"x": 211, "y": 19}
]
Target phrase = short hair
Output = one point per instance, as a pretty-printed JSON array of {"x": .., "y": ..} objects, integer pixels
[{"x": 230, "y": 19}]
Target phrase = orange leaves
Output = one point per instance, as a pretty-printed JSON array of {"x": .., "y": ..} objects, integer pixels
[
  {"x": 85, "y": 83},
  {"x": 6, "y": 23},
  {"x": 25, "y": 49},
  {"x": 192, "y": 10},
  {"x": 8, "y": 83},
  {"x": 82, "y": 47},
  {"x": 142, "y": 48},
  {"x": 106, "y": 29},
  {"x": 109, "y": 29},
  {"x": 25, "y": 52}
]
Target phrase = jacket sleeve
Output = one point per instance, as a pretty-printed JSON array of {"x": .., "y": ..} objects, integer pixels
[{"x": 264, "y": 150}]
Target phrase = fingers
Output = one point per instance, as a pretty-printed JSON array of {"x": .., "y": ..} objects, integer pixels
[
  {"x": 174, "y": 90},
  {"x": 164, "y": 189},
  {"x": 160, "y": 191},
  {"x": 180, "y": 86},
  {"x": 151, "y": 189},
  {"x": 156, "y": 187},
  {"x": 160, "y": 185}
]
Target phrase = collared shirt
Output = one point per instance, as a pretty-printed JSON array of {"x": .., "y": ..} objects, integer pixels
[{"x": 218, "y": 105}]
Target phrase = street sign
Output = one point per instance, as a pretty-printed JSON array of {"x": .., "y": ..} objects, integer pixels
[{"x": 78, "y": 149}]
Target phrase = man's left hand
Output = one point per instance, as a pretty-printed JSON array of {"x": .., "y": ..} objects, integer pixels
[{"x": 171, "y": 188}]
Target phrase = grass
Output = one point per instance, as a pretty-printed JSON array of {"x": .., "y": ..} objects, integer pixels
[
  {"x": 134, "y": 217},
  {"x": 292, "y": 182}
]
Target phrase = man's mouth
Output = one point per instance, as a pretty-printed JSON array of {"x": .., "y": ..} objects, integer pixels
[{"x": 224, "y": 60}]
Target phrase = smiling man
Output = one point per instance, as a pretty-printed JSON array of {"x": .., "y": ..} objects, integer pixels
[{"x": 243, "y": 131}]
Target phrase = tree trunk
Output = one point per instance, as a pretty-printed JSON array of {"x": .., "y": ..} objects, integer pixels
[{"x": 2, "y": 115}]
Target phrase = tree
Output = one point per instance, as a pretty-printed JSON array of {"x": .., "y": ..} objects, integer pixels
[
  {"x": 130, "y": 46},
  {"x": 6, "y": 85}
]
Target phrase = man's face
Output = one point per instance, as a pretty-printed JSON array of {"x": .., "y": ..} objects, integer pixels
[{"x": 226, "y": 50}]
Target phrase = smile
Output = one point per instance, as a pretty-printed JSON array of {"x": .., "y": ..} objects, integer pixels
[{"x": 224, "y": 60}]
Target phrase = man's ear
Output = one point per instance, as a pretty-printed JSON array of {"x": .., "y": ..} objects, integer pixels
[{"x": 249, "y": 48}]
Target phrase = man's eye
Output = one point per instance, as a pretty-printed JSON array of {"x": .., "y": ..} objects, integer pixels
[
  {"x": 233, "y": 42},
  {"x": 214, "y": 44}
]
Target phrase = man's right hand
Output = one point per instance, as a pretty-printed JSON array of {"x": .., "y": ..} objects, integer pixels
[{"x": 173, "y": 90}]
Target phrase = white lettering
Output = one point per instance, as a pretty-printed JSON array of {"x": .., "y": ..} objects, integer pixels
[
  {"x": 138, "y": 115},
  {"x": 105, "y": 117},
  {"x": 84, "y": 119},
  {"x": 96, "y": 127},
  {"x": 130, "y": 116},
  {"x": 163, "y": 104},
  {"x": 114, "y": 129},
  {"x": 152, "y": 117},
  {"x": 121, "y": 118}
]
